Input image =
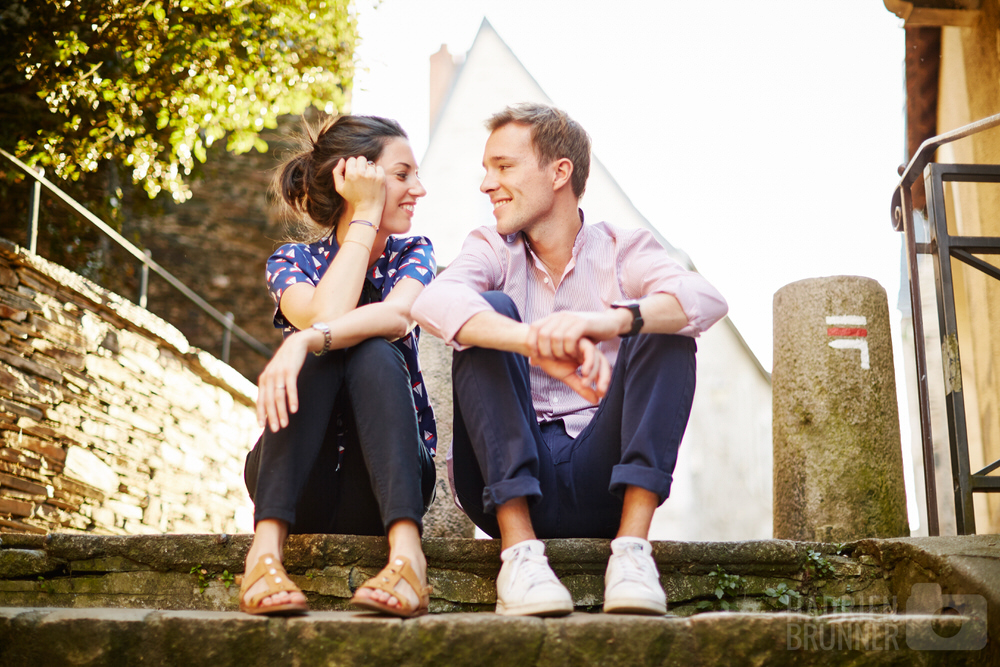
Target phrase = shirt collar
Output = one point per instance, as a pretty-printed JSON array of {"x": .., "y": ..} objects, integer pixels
[
  {"x": 329, "y": 242},
  {"x": 581, "y": 236},
  {"x": 578, "y": 243}
]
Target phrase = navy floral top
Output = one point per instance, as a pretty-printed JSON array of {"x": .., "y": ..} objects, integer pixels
[{"x": 404, "y": 257}]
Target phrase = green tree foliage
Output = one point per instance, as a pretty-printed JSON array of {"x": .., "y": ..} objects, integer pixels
[{"x": 149, "y": 85}]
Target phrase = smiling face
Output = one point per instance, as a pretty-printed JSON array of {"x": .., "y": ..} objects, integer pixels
[
  {"x": 520, "y": 190},
  {"x": 402, "y": 187}
]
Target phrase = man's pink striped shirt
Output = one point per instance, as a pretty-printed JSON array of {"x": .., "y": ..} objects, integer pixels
[{"x": 608, "y": 264}]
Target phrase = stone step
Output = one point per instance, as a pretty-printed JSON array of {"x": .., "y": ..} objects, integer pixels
[
  {"x": 170, "y": 599},
  {"x": 202, "y": 572},
  {"x": 96, "y": 637}
]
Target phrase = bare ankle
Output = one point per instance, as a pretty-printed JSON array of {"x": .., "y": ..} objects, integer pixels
[{"x": 269, "y": 538}]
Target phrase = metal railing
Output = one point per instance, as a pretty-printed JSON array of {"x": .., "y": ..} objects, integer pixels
[
  {"x": 942, "y": 248},
  {"x": 229, "y": 327}
]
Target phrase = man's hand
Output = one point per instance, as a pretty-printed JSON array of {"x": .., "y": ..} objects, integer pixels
[
  {"x": 558, "y": 336},
  {"x": 277, "y": 391},
  {"x": 588, "y": 374}
]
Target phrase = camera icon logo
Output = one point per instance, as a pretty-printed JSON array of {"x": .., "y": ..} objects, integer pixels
[{"x": 937, "y": 622}]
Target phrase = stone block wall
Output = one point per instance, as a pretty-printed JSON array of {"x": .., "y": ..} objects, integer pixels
[{"x": 110, "y": 421}]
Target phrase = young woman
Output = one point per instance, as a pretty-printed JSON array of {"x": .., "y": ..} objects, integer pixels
[{"x": 349, "y": 432}]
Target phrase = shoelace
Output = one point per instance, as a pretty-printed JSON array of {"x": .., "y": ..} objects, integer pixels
[
  {"x": 638, "y": 574},
  {"x": 533, "y": 568}
]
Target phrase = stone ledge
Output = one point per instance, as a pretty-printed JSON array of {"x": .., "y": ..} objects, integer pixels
[
  {"x": 200, "y": 571},
  {"x": 220, "y": 639}
]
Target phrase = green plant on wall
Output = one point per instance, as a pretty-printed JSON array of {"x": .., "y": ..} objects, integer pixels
[
  {"x": 204, "y": 578},
  {"x": 817, "y": 566},
  {"x": 202, "y": 575},
  {"x": 725, "y": 588},
  {"x": 783, "y": 597}
]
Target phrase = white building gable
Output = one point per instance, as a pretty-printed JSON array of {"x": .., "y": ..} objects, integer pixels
[
  {"x": 722, "y": 485},
  {"x": 491, "y": 78}
]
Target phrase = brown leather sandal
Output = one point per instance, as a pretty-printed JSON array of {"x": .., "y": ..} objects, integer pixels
[
  {"x": 386, "y": 580},
  {"x": 269, "y": 568}
]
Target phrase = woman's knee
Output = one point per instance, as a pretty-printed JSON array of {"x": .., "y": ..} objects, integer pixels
[
  {"x": 375, "y": 358},
  {"x": 379, "y": 382}
]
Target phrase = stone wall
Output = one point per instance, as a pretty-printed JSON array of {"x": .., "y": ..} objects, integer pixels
[
  {"x": 217, "y": 243},
  {"x": 110, "y": 421}
]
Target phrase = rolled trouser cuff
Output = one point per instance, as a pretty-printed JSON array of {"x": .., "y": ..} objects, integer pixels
[
  {"x": 261, "y": 513},
  {"x": 497, "y": 494},
  {"x": 400, "y": 513},
  {"x": 644, "y": 477}
]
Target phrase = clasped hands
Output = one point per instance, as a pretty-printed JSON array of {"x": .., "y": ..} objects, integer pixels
[{"x": 564, "y": 345}]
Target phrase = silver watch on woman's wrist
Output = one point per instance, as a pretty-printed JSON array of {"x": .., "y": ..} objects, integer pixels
[{"x": 324, "y": 329}]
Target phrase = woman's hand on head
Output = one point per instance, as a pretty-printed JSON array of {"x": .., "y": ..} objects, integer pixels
[
  {"x": 361, "y": 184},
  {"x": 277, "y": 390}
]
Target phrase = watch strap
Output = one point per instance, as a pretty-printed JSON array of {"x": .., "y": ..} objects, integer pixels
[
  {"x": 324, "y": 329},
  {"x": 637, "y": 321}
]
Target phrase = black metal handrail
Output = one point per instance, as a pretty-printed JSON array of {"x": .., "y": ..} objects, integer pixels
[
  {"x": 148, "y": 264},
  {"x": 943, "y": 247}
]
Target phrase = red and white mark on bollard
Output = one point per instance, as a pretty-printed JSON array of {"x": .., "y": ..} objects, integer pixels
[{"x": 852, "y": 332}]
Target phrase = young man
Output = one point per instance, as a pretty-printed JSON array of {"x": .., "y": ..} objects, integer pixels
[{"x": 583, "y": 441}]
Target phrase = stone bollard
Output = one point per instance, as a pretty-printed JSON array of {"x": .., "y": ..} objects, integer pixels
[{"x": 838, "y": 467}]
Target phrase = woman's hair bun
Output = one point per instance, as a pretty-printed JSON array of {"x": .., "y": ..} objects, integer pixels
[{"x": 304, "y": 182}]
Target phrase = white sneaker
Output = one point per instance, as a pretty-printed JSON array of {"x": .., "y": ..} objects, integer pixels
[
  {"x": 632, "y": 582},
  {"x": 527, "y": 586}
]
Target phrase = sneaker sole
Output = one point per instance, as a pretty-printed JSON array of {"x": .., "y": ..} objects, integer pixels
[
  {"x": 635, "y": 606},
  {"x": 536, "y": 609}
]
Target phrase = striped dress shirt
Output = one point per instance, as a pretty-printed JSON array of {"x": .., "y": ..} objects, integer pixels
[{"x": 608, "y": 264}]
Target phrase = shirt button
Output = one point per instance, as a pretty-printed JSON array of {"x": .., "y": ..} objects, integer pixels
[
  {"x": 545, "y": 280},
  {"x": 555, "y": 399}
]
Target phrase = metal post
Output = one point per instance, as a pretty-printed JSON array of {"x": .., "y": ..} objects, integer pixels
[
  {"x": 904, "y": 215},
  {"x": 227, "y": 337},
  {"x": 144, "y": 280},
  {"x": 965, "y": 518},
  {"x": 36, "y": 196}
]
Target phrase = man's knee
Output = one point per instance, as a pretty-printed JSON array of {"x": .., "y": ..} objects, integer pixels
[
  {"x": 668, "y": 346},
  {"x": 503, "y": 304}
]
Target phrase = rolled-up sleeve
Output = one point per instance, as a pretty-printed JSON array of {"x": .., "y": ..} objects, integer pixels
[
  {"x": 645, "y": 268},
  {"x": 454, "y": 297}
]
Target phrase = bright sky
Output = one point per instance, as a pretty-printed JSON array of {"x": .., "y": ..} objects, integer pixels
[{"x": 762, "y": 138}]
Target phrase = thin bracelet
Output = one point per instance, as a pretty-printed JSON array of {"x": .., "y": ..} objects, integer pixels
[
  {"x": 363, "y": 222},
  {"x": 367, "y": 249}
]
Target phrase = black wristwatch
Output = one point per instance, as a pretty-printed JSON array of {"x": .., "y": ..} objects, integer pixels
[{"x": 633, "y": 306}]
